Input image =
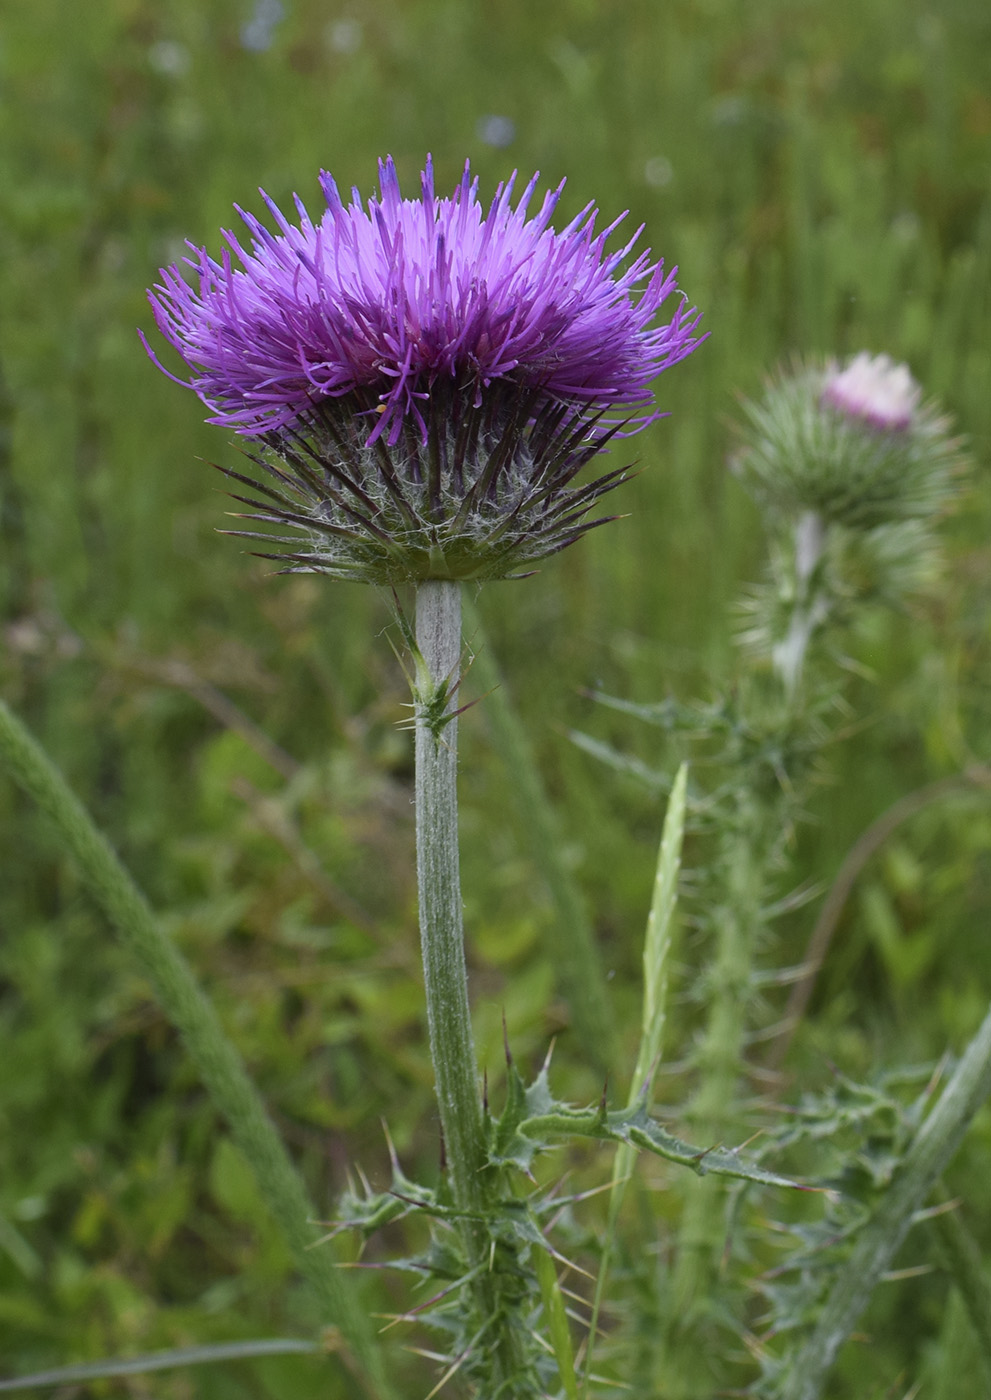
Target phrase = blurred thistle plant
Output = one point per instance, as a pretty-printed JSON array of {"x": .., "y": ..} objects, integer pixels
[
  {"x": 852, "y": 469},
  {"x": 856, "y": 444},
  {"x": 852, "y": 472}
]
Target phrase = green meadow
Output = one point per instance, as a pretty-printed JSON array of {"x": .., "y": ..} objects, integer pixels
[{"x": 821, "y": 175}]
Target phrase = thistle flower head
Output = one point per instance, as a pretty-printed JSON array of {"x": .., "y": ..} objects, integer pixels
[
  {"x": 855, "y": 444},
  {"x": 424, "y": 377},
  {"x": 874, "y": 389}
]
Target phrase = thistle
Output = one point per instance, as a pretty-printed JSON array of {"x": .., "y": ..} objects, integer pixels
[
  {"x": 874, "y": 388},
  {"x": 852, "y": 469},
  {"x": 421, "y": 381},
  {"x": 855, "y": 444},
  {"x": 419, "y": 384}
]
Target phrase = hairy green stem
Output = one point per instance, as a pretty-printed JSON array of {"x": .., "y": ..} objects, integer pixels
[
  {"x": 877, "y": 1242},
  {"x": 452, "y": 1047},
  {"x": 573, "y": 947},
  {"x": 809, "y": 606},
  {"x": 438, "y": 639},
  {"x": 185, "y": 1004}
]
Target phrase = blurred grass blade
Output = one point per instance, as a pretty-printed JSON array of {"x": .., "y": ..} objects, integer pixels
[
  {"x": 16, "y": 1247},
  {"x": 657, "y": 945},
  {"x": 161, "y": 1361},
  {"x": 628, "y": 764},
  {"x": 184, "y": 1002},
  {"x": 961, "y": 1256},
  {"x": 575, "y": 953}
]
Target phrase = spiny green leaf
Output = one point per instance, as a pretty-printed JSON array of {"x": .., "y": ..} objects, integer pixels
[
  {"x": 634, "y": 1126},
  {"x": 506, "y": 1144}
]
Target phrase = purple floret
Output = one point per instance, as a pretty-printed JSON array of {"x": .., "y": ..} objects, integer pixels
[{"x": 415, "y": 294}]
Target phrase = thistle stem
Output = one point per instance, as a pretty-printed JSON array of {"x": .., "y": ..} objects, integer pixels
[
  {"x": 438, "y": 639},
  {"x": 452, "y": 1048},
  {"x": 809, "y": 606}
]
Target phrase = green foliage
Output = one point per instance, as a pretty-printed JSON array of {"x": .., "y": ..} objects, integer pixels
[
  {"x": 819, "y": 173},
  {"x": 521, "y": 1279}
]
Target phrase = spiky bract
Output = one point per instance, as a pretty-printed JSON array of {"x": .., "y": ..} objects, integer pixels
[{"x": 484, "y": 496}]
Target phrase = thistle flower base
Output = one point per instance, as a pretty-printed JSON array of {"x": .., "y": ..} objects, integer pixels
[{"x": 485, "y": 495}]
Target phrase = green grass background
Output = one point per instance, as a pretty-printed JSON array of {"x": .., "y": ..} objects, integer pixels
[{"x": 821, "y": 173}]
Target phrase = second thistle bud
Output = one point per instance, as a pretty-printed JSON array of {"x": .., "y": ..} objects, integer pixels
[
  {"x": 854, "y": 443},
  {"x": 873, "y": 388},
  {"x": 852, "y": 469}
]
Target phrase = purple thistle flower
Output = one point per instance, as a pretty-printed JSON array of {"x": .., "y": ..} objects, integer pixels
[{"x": 448, "y": 370}]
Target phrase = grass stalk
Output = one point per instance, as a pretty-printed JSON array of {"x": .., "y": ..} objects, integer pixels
[
  {"x": 573, "y": 948},
  {"x": 188, "y": 1008},
  {"x": 656, "y": 959}
]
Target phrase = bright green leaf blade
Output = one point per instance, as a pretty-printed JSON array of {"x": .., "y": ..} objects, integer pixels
[
  {"x": 656, "y": 956},
  {"x": 557, "y": 1321},
  {"x": 657, "y": 944}
]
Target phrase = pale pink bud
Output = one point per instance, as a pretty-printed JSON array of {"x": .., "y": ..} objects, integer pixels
[{"x": 874, "y": 388}]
